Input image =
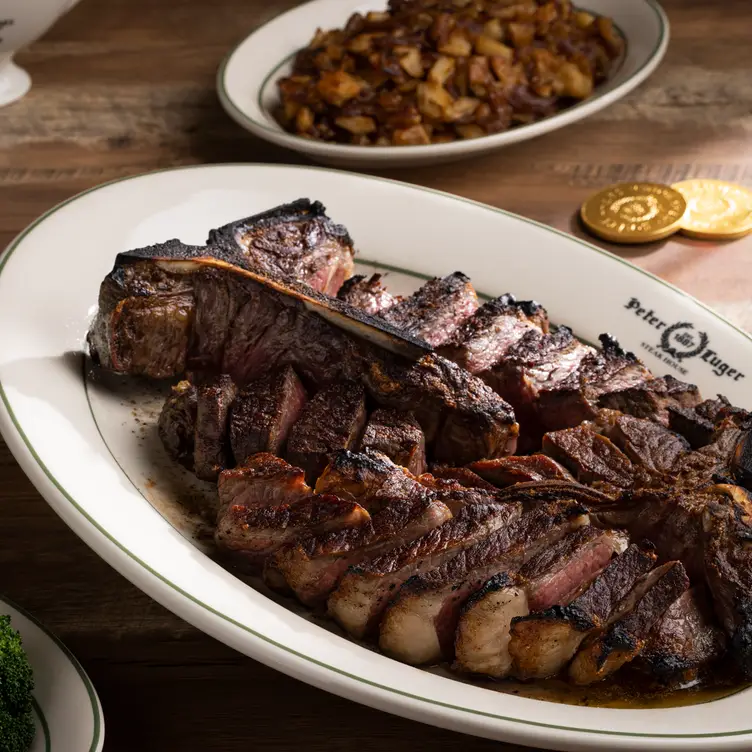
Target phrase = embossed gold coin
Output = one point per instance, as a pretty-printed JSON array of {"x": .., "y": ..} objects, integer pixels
[
  {"x": 634, "y": 212},
  {"x": 716, "y": 210}
]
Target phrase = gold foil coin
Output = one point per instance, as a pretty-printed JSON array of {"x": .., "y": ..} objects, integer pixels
[
  {"x": 634, "y": 212},
  {"x": 716, "y": 210}
]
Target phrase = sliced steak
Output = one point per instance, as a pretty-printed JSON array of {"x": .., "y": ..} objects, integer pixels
[
  {"x": 264, "y": 412},
  {"x": 211, "y": 452},
  {"x": 626, "y": 637},
  {"x": 419, "y": 625},
  {"x": 484, "y": 338},
  {"x": 652, "y": 399},
  {"x": 367, "y": 477},
  {"x": 727, "y": 533},
  {"x": 359, "y": 601},
  {"x": 296, "y": 241},
  {"x": 649, "y": 444},
  {"x": 555, "y": 575},
  {"x": 537, "y": 361},
  {"x": 177, "y": 423},
  {"x": 462, "y": 418},
  {"x": 697, "y": 422},
  {"x": 397, "y": 435},
  {"x": 332, "y": 420},
  {"x": 544, "y": 642},
  {"x": 566, "y": 403},
  {"x": 264, "y": 480},
  {"x": 252, "y": 533},
  {"x": 436, "y": 310},
  {"x": 590, "y": 456},
  {"x": 506, "y": 471},
  {"x": 367, "y": 294},
  {"x": 314, "y": 565},
  {"x": 684, "y": 643},
  {"x": 462, "y": 476},
  {"x": 145, "y": 316}
]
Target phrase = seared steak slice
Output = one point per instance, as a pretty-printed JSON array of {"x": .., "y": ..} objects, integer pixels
[
  {"x": 331, "y": 421},
  {"x": 568, "y": 402},
  {"x": 727, "y": 532},
  {"x": 535, "y": 362},
  {"x": 684, "y": 642},
  {"x": 359, "y": 601},
  {"x": 626, "y": 637},
  {"x": 252, "y": 533},
  {"x": 314, "y": 565},
  {"x": 698, "y": 422},
  {"x": 652, "y": 399},
  {"x": 264, "y": 480},
  {"x": 590, "y": 456},
  {"x": 436, "y": 310},
  {"x": 397, "y": 435},
  {"x": 368, "y": 477},
  {"x": 419, "y": 625},
  {"x": 369, "y": 295},
  {"x": 649, "y": 444},
  {"x": 296, "y": 241},
  {"x": 544, "y": 642},
  {"x": 540, "y": 492},
  {"x": 462, "y": 476},
  {"x": 484, "y": 338},
  {"x": 462, "y": 417},
  {"x": 264, "y": 412},
  {"x": 555, "y": 575},
  {"x": 506, "y": 471},
  {"x": 177, "y": 423},
  {"x": 211, "y": 452}
]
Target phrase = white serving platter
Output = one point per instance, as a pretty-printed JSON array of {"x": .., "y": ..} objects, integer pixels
[{"x": 92, "y": 454}]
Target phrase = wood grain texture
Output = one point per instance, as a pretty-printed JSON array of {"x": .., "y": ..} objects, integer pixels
[{"x": 127, "y": 86}]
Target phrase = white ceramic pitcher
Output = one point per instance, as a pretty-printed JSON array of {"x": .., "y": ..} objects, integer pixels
[{"x": 22, "y": 22}]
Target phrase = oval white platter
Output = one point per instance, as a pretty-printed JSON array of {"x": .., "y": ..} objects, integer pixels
[
  {"x": 92, "y": 453},
  {"x": 67, "y": 711},
  {"x": 247, "y": 81}
]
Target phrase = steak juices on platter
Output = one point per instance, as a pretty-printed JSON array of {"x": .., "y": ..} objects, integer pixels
[{"x": 455, "y": 481}]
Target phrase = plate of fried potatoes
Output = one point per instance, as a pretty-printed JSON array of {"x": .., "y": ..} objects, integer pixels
[{"x": 356, "y": 84}]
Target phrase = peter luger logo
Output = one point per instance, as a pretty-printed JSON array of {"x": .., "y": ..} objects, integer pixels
[{"x": 681, "y": 341}]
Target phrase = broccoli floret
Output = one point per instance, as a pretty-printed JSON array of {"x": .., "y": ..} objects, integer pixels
[{"x": 16, "y": 684}]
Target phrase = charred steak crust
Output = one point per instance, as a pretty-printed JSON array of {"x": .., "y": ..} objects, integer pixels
[
  {"x": 436, "y": 310},
  {"x": 331, "y": 421},
  {"x": 264, "y": 412},
  {"x": 367, "y": 294},
  {"x": 399, "y": 436}
]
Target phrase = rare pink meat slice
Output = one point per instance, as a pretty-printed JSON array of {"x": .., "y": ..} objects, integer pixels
[
  {"x": 419, "y": 625},
  {"x": 624, "y": 639},
  {"x": 264, "y": 412},
  {"x": 566, "y": 403},
  {"x": 313, "y": 566},
  {"x": 555, "y": 575},
  {"x": 367, "y": 294},
  {"x": 436, "y": 310},
  {"x": 506, "y": 471},
  {"x": 399, "y": 436},
  {"x": 211, "y": 452},
  {"x": 359, "y": 601},
  {"x": 331, "y": 421},
  {"x": 544, "y": 642},
  {"x": 264, "y": 480},
  {"x": 484, "y": 338},
  {"x": 252, "y": 533}
]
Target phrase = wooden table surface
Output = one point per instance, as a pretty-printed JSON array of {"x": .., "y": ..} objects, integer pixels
[{"x": 127, "y": 86}]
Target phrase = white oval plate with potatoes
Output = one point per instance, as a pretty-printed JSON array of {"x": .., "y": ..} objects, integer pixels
[
  {"x": 247, "y": 82},
  {"x": 89, "y": 446}
]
